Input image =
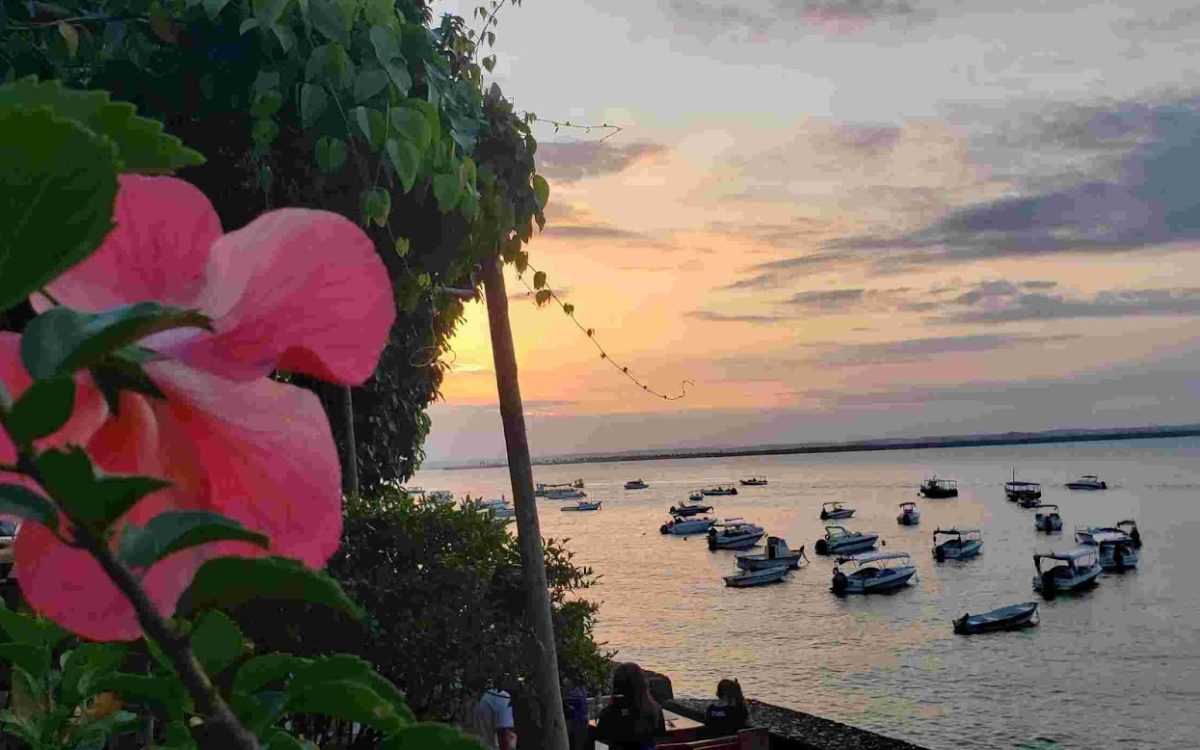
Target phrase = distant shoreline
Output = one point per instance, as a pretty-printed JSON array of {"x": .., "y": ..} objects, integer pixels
[{"x": 863, "y": 446}]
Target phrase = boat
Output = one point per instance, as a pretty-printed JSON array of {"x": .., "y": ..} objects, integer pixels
[
  {"x": 1012, "y": 617},
  {"x": 685, "y": 526},
  {"x": 1087, "y": 482},
  {"x": 568, "y": 493},
  {"x": 909, "y": 515},
  {"x": 1086, "y": 534},
  {"x": 960, "y": 544},
  {"x": 685, "y": 510},
  {"x": 937, "y": 488},
  {"x": 754, "y": 481},
  {"x": 696, "y": 496},
  {"x": 1116, "y": 550},
  {"x": 1072, "y": 570},
  {"x": 636, "y": 484},
  {"x": 734, "y": 533},
  {"x": 496, "y": 509},
  {"x": 777, "y": 554},
  {"x": 748, "y": 578},
  {"x": 1029, "y": 501},
  {"x": 834, "y": 510},
  {"x": 442, "y": 497},
  {"x": 1047, "y": 519},
  {"x": 563, "y": 491},
  {"x": 1017, "y": 491},
  {"x": 872, "y": 572},
  {"x": 719, "y": 490},
  {"x": 839, "y": 541},
  {"x": 1129, "y": 526},
  {"x": 500, "y": 502},
  {"x": 582, "y": 505}
]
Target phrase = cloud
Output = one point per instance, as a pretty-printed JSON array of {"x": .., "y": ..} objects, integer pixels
[
  {"x": 1117, "y": 303},
  {"x": 911, "y": 350},
  {"x": 571, "y": 161},
  {"x": 826, "y": 299},
  {"x": 592, "y": 232},
  {"x": 777, "y": 273},
  {"x": 719, "y": 317},
  {"x": 758, "y": 19}
]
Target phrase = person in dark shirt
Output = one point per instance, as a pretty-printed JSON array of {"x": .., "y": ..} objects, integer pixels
[
  {"x": 633, "y": 719},
  {"x": 729, "y": 714}
]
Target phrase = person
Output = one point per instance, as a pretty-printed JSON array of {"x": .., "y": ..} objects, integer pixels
[
  {"x": 575, "y": 709},
  {"x": 729, "y": 714},
  {"x": 633, "y": 718},
  {"x": 494, "y": 724}
]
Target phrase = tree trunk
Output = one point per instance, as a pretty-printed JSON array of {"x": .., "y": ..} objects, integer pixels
[
  {"x": 529, "y": 536},
  {"x": 350, "y": 461}
]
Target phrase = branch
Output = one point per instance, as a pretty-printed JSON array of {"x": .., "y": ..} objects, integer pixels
[{"x": 585, "y": 128}]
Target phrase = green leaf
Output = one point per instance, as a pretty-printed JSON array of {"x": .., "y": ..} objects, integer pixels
[
  {"x": 539, "y": 280},
  {"x": 403, "y": 157},
  {"x": 70, "y": 36},
  {"x": 165, "y": 692},
  {"x": 430, "y": 114},
  {"x": 42, "y": 409},
  {"x": 49, "y": 163},
  {"x": 62, "y": 340},
  {"x": 177, "y": 737},
  {"x": 542, "y": 297},
  {"x": 227, "y": 581},
  {"x": 489, "y": 63},
  {"x": 86, "y": 664},
  {"x": 268, "y": 11},
  {"x": 377, "y": 204},
  {"x": 313, "y": 101},
  {"x": 368, "y": 83},
  {"x": 142, "y": 146},
  {"x": 266, "y": 104},
  {"x": 447, "y": 189},
  {"x": 372, "y": 124},
  {"x": 332, "y": 18},
  {"x": 386, "y": 44},
  {"x": 414, "y": 126},
  {"x": 168, "y": 533},
  {"x": 29, "y": 629},
  {"x": 89, "y": 497},
  {"x": 284, "y": 34},
  {"x": 250, "y": 24},
  {"x": 331, "y": 154},
  {"x": 33, "y": 659},
  {"x": 15, "y": 500},
  {"x": 217, "y": 641},
  {"x": 281, "y": 740},
  {"x": 214, "y": 7},
  {"x": 260, "y": 671},
  {"x": 346, "y": 687},
  {"x": 402, "y": 246},
  {"x": 122, "y": 371},
  {"x": 569, "y": 309},
  {"x": 541, "y": 190},
  {"x": 429, "y": 735},
  {"x": 469, "y": 204}
]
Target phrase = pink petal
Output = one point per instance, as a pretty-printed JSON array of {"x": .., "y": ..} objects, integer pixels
[
  {"x": 157, "y": 252},
  {"x": 294, "y": 289}
]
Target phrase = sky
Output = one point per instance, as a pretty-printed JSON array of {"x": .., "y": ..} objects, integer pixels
[{"x": 847, "y": 219}]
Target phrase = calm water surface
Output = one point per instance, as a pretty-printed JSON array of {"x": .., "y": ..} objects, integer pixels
[{"x": 1119, "y": 665}]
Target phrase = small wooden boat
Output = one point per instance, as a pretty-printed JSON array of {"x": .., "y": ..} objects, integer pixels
[
  {"x": 734, "y": 534},
  {"x": 1087, "y": 482},
  {"x": 1016, "y": 491},
  {"x": 909, "y": 515},
  {"x": 872, "y": 572},
  {"x": 685, "y": 526},
  {"x": 1047, "y": 519},
  {"x": 1012, "y": 617},
  {"x": 1116, "y": 550},
  {"x": 833, "y": 510},
  {"x": 567, "y": 493},
  {"x": 582, "y": 505},
  {"x": 684, "y": 510},
  {"x": 754, "y": 481},
  {"x": 696, "y": 496},
  {"x": 1066, "y": 572},
  {"x": 777, "y": 554},
  {"x": 748, "y": 578},
  {"x": 544, "y": 490},
  {"x": 636, "y": 484},
  {"x": 938, "y": 488},
  {"x": 719, "y": 490},
  {"x": 960, "y": 544},
  {"x": 839, "y": 541}
]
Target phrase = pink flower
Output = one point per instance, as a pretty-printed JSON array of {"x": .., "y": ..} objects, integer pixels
[{"x": 296, "y": 290}]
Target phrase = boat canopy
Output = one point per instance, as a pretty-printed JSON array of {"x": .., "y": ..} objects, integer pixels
[
  {"x": 956, "y": 532},
  {"x": 1049, "y": 506},
  {"x": 830, "y": 530},
  {"x": 1023, "y": 485},
  {"x": 1071, "y": 555},
  {"x": 1101, "y": 537},
  {"x": 831, "y": 504},
  {"x": 870, "y": 557},
  {"x": 908, "y": 505}
]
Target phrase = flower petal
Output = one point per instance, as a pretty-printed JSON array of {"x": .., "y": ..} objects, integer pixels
[
  {"x": 294, "y": 289},
  {"x": 157, "y": 252}
]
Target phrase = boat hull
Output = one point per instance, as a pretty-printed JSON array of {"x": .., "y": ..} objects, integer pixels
[
  {"x": 908, "y": 519},
  {"x": 730, "y": 491},
  {"x": 888, "y": 580},
  {"x": 1013, "y": 617},
  {"x": 740, "y": 542},
  {"x": 762, "y": 562},
  {"x": 948, "y": 551},
  {"x": 752, "y": 483},
  {"x": 831, "y": 515},
  {"x": 582, "y": 507},
  {"x": 685, "y": 511},
  {"x": 1047, "y": 523},
  {"x": 847, "y": 546},
  {"x": 687, "y": 528},
  {"x": 746, "y": 579},
  {"x": 1080, "y": 582}
]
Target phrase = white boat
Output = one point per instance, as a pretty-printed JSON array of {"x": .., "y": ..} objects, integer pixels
[
  {"x": 688, "y": 509},
  {"x": 636, "y": 484},
  {"x": 696, "y": 496},
  {"x": 839, "y": 541},
  {"x": 834, "y": 510},
  {"x": 582, "y": 505},
  {"x": 1116, "y": 550},
  {"x": 719, "y": 490},
  {"x": 1087, "y": 482},
  {"x": 1084, "y": 534},
  {"x": 734, "y": 533},
  {"x": 496, "y": 508},
  {"x": 1067, "y": 571},
  {"x": 499, "y": 502},
  {"x": 754, "y": 481},
  {"x": 871, "y": 572},
  {"x": 777, "y": 554},
  {"x": 747, "y": 578},
  {"x": 959, "y": 545},
  {"x": 909, "y": 515},
  {"x": 562, "y": 489},
  {"x": 685, "y": 526},
  {"x": 1047, "y": 519},
  {"x": 569, "y": 493}
]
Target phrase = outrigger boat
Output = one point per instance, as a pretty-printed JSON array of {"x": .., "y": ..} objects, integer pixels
[
  {"x": 719, "y": 490},
  {"x": 873, "y": 572},
  {"x": 754, "y": 481},
  {"x": 636, "y": 484},
  {"x": 1012, "y": 617},
  {"x": 734, "y": 533},
  {"x": 684, "y": 510},
  {"x": 777, "y": 554},
  {"x": 1116, "y": 550},
  {"x": 834, "y": 510},
  {"x": 909, "y": 515},
  {"x": 1017, "y": 491},
  {"x": 1087, "y": 482},
  {"x": 961, "y": 544},
  {"x": 1047, "y": 519},
  {"x": 1079, "y": 569},
  {"x": 839, "y": 541},
  {"x": 582, "y": 505},
  {"x": 685, "y": 526},
  {"x": 938, "y": 488},
  {"x": 748, "y": 578}
]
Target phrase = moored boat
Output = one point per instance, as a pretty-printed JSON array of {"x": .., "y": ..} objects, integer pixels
[
  {"x": 939, "y": 488},
  {"x": 1115, "y": 550},
  {"x": 839, "y": 541},
  {"x": 1072, "y": 570},
  {"x": 1129, "y": 526},
  {"x": 442, "y": 497},
  {"x": 748, "y": 578},
  {"x": 568, "y": 493},
  {"x": 960, "y": 544},
  {"x": 636, "y": 484},
  {"x": 872, "y": 572},
  {"x": 735, "y": 534},
  {"x": 1012, "y": 617},
  {"x": 832, "y": 510},
  {"x": 696, "y": 496},
  {"x": 1047, "y": 519},
  {"x": 543, "y": 490},
  {"x": 719, "y": 490},
  {"x": 582, "y": 505},
  {"x": 685, "y": 526},
  {"x": 777, "y": 554},
  {"x": 1087, "y": 482},
  {"x": 1017, "y": 491},
  {"x": 685, "y": 510},
  {"x": 909, "y": 515},
  {"x": 754, "y": 481}
]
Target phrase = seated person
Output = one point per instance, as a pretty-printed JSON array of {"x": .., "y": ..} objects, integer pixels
[
  {"x": 729, "y": 714},
  {"x": 633, "y": 719}
]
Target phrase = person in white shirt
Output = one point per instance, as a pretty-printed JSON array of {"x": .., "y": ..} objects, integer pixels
[{"x": 494, "y": 720}]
